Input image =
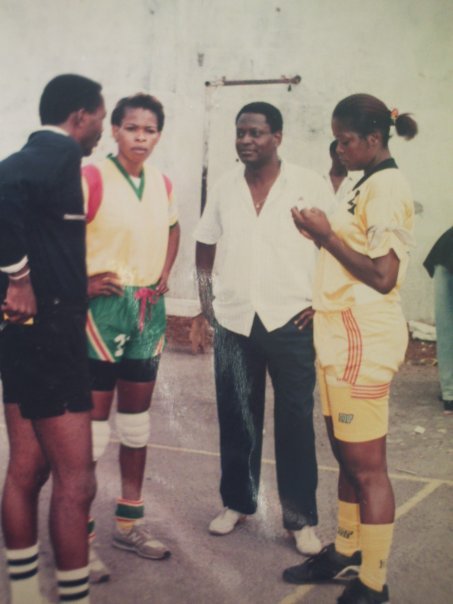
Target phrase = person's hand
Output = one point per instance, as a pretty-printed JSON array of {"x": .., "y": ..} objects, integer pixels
[
  {"x": 304, "y": 318},
  {"x": 20, "y": 303},
  {"x": 312, "y": 223},
  {"x": 104, "y": 284},
  {"x": 162, "y": 284}
]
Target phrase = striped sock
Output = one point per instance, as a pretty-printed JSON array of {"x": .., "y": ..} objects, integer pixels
[
  {"x": 347, "y": 540},
  {"x": 73, "y": 585},
  {"x": 128, "y": 512},
  {"x": 23, "y": 574},
  {"x": 376, "y": 542}
]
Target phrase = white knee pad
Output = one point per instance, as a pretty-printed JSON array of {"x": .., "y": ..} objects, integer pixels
[
  {"x": 133, "y": 429},
  {"x": 100, "y": 434}
]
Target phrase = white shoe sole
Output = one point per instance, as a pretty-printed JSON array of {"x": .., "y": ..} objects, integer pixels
[{"x": 131, "y": 548}]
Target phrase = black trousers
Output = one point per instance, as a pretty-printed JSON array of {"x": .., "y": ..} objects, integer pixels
[{"x": 240, "y": 370}]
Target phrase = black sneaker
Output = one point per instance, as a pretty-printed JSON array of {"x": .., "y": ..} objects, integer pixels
[
  {"x": 327, "y": 566},
  {"x": 358, "y": 593}
]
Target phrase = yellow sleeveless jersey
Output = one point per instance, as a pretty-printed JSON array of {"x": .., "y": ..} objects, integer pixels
[{"x": 127, "y": 226}]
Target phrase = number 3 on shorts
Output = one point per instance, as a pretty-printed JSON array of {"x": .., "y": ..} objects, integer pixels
[{"x": 120, "y": 340}]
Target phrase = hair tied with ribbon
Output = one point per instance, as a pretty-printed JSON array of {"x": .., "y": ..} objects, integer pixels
[{"x": 394, "y": 113}]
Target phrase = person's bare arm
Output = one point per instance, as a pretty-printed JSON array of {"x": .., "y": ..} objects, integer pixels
[
  {"x": 204, "y": 258},
  {"x": 379, "y": 273},
  {"x": 172, "y": 252}
]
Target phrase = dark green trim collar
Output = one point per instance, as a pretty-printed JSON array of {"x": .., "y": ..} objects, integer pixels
[{"x": 137, "y": 190}]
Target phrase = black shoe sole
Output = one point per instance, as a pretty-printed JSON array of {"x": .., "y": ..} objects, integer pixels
[{"x": 341, "y": 578}]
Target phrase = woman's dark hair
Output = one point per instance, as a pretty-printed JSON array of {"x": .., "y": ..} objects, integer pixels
[
  {"x": 65, "y": 94},
  {"x": 272, "y": 114},
  {"x": 364, "y": 114},
  {"x": 142, "y": 101}
]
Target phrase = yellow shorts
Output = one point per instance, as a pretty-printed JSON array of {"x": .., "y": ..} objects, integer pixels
[{"x": 358, "y": 352}]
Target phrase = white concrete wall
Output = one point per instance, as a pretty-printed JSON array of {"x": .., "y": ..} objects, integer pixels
[{"x": 400, "y": 51}]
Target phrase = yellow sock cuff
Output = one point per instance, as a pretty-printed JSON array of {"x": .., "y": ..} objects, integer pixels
[
  {"x": 376, "y": 541},
  {"x": 347, "y": 540}
]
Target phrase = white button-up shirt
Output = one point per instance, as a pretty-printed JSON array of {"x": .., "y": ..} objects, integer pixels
[
  {"x": 263, "y": 264},
  {"x": 344, "y": 191}
]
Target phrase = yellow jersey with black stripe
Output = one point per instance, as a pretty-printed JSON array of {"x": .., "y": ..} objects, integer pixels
[{"x": 377, "y": 217}]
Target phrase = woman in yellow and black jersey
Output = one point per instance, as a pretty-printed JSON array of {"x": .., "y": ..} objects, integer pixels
[{"x": 361, "y": 339}]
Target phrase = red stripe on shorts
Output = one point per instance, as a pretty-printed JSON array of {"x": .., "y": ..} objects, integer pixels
[
  {"x": 96, "y": 340},
  {"x": 370, "y": 391},
  {"x": 355, "y": 347}
]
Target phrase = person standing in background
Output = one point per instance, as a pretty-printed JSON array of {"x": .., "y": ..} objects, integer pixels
[
  {"x": 439, "y": 264},
  {"x": 338, "y": 177}
]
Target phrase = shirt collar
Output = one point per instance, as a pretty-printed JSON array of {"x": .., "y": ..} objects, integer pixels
[
  {"x": 241, "y": 170},
  {"x": 384, "y": 165},
  {"x": 56, "y": 129}
]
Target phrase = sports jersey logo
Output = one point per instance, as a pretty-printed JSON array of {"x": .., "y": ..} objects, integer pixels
[
  {"x": 351, "y": 204},
  {"x": 345, "y": 418},
  {"x": 344, "y": 533}
]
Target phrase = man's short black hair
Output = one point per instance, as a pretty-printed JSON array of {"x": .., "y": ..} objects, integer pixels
[
  {"x": 68, "y": 93},
  {"x": 142, "y": 101},
  {"x": 272, "y": 114}
]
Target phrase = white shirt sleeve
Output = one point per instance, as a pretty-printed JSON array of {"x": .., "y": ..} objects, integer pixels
[
  {"x": 209, "y": 228},
  {"x": 323, "y": 195}
]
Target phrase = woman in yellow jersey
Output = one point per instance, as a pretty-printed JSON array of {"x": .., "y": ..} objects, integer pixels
[
  {"x": 361, "y": 339},
  {"x": 132, "y": 242}
]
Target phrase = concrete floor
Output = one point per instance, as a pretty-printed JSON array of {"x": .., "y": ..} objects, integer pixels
[{"x": 181, "y": 493}]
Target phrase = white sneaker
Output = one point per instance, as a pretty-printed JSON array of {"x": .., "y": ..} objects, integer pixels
[
  {"x": 306, "y": 541},
  {"x": 99, "y": 572},
  {"x": 225, "y": 522}
]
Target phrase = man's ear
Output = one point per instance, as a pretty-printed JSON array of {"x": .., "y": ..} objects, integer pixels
[
  {"x": 76, "y": 118},
  {"x": 277, "y": 137}
]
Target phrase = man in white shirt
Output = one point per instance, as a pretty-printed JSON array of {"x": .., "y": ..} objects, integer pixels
[{"x": 261, "y": 308}]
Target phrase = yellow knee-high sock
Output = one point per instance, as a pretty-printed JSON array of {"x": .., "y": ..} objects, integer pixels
[
  {"x": 347, "y": 540},
  {"x": 23, "y": 574},
  {"x": 376, "y": 540}
]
